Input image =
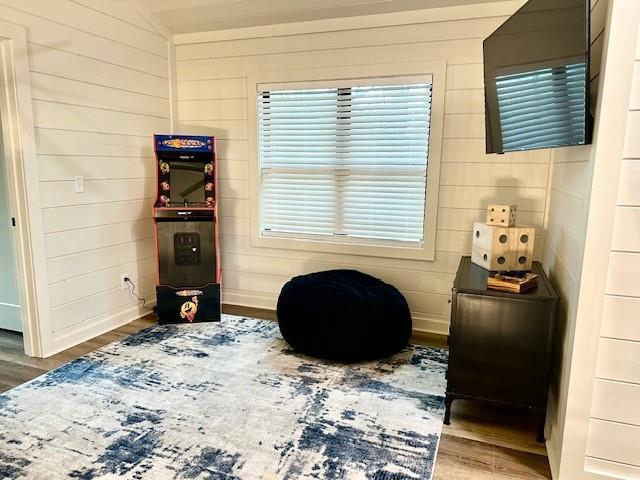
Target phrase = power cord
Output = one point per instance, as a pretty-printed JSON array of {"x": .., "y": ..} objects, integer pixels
[{"x": 132, "y": 291}]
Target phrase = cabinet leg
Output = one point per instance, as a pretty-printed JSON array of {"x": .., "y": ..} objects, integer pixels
[
  {"x": 541, "y": 423},
  {"x": 448, "y": 400}
]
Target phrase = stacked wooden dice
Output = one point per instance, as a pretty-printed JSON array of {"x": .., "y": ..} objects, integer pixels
[{"x": 500, "y": 245}]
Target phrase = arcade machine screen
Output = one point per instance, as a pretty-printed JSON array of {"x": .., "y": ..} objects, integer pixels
[{"x": 187, "y": 182}]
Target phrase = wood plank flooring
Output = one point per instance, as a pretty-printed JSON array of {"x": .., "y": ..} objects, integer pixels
[{"x": 482, "y": 442}]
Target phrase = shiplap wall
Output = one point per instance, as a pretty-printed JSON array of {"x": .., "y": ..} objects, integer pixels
[
  {"x": 614, "y": 431},
  {"x": 566, "y": 223},
  {"x": 99, "y": 80},
  {"x": 213, "y": 100}
]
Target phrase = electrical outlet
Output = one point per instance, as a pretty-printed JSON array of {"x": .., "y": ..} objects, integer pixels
[
  {"x": 123, "y": 283},
  {"x": 78, "y": 184}
]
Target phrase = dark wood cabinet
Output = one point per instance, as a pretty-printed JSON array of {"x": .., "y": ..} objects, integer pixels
[{"x": 500, "y": 343}]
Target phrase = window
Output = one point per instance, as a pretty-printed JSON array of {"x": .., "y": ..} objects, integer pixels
[
  {"x": 345, "y": 161},
  {"x": 548, "y": 102}
]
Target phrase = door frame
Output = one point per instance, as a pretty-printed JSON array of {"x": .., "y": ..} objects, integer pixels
[{"x": 16, "y": 111}]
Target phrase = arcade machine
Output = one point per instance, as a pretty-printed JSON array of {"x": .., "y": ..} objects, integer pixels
[{"x": 186, "y": 229}]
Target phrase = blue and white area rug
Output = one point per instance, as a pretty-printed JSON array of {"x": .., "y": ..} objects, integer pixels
[{"x": 224, "y": 401}]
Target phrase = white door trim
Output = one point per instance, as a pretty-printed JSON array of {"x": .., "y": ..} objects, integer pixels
[{"x": 24, "y": 189}]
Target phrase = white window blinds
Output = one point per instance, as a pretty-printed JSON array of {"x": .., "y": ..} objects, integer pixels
[
  {"x": 345, "y": 162},
  {"x": 542, "y": 108}
]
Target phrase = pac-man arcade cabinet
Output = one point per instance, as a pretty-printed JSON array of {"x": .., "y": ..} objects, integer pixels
[{"x": 186, "y": 229}]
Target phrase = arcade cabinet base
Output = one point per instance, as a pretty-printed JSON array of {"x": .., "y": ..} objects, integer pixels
[{"x": 188, "y": 304}]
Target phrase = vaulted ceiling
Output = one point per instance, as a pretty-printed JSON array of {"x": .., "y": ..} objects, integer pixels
[{"x": 183, "y": 16}]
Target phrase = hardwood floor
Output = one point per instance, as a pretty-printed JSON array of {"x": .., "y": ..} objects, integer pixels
[
  {"x": 481, "y": 443},
  {"x": 17, "y": 368}
]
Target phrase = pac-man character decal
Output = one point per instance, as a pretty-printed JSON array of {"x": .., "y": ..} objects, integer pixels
[
  {"x": 208, "y": 168},
  {"x": 189, "y": 309},
  {"x": 165, "y": 186},
  {"x": 208, "y": 186},
  {"x": 164, "y": 167}
]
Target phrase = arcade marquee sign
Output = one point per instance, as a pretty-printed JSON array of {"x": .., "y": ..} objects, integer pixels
[
  {"x": 183, "y": 143},
  {"x": 191, "y": 142}
]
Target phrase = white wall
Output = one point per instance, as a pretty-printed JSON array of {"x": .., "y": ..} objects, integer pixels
[
  {"x": 566, "y": 223},
  {"x": 212, "y": 95},
  {"x": 99, "y": 80},
  {"x": 613, "y": 445}
]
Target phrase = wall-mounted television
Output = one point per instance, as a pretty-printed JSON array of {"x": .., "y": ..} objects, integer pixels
[{"x": 536, "y": 75}]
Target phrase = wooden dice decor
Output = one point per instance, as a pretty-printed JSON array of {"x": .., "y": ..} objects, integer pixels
[
  {"x": 502, "y": 248},
  {"x": 501, "y": 215}
]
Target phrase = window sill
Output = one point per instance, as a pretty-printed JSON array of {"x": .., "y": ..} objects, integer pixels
[{"x": 424, "y": 253}]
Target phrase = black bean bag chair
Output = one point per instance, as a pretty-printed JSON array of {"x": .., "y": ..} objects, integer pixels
[{"x": 343, "y": 315}]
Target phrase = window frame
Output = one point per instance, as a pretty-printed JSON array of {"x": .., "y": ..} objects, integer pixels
[{"x": 346, "y": 76}]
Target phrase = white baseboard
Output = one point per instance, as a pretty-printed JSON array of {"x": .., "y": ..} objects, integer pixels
[
  {"x": 430, "y": 324},
  {"x": 72, "y": 336},
  {"x": 607, "y": 470},
  {"x": 554, "y": 461},
  {"x": 10, "y": 317},
  {"x": 77, "y": 334},
  {"x": 437, "y": 324},
  {"x": 249, "y": 299}
]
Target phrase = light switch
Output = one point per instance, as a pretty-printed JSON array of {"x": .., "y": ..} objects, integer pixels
[{"x": 78, "y": 184}]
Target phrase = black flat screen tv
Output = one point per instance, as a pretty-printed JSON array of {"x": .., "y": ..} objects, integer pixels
[{"x": 536, "y": 76}]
